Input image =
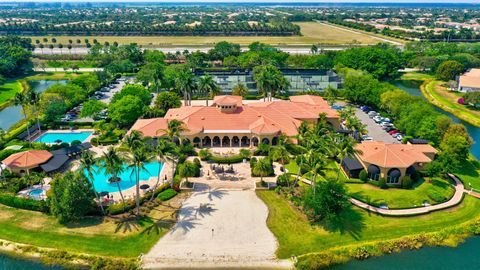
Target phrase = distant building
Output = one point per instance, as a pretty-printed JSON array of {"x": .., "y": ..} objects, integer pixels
[
  {"x": 470, "y": 81},
  {"x": 300, "y": 79}
]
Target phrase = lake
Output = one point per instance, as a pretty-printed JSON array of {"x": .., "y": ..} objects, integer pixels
[
  {"x": 413, "y": 88},
  {"x": 464, "y": 257},
  {"x": 12, "y": 114},
  {"x": 9, "y": 263}
]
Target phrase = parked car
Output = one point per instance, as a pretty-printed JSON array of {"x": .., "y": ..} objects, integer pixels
[
  {"x": 386, "y": 119},
  {"x": 365, "y": 108},
  {"x": 372, "y": 114},
  {"x": 400, "y": 137},
  {"x": 386, "y": 125},
  {"x": 367, "y": 138},
  {"x": 392, "y": 132}
]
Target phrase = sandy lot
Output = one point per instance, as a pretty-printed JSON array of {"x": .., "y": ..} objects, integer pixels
[{"x": 218, "y": 229}]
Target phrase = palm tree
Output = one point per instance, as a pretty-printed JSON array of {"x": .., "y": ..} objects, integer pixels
[
  {"x": 21, "y": 100},
  {"x": 240, "y": 90},
  {"x": 113, "y": 165},
  {"x": 188, "y": 169},
  {"x": 140, "y": 156},
  {"x": 315, "y": 165},
  {"x": 208, "y": 87},
  {"x": 262, "y": 167},
  {"x": 34, "y": 99},
  {"x": 174, "y": 130},
  {"x": 133, "y": 140},
  {"x": 185, "y": 83},
  {"x": 87, "y": 162},
  {"x": 161, "y": 151}
]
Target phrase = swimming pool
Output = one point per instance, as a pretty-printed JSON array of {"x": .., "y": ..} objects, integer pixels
[
  {"x": 36, "y": 193},
  {"x": 67, "y": 137},
  {"x": 127, "y": 177}
]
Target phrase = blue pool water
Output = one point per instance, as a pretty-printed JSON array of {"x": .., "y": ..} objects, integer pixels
[
  {"x": 127, "y": 177},
  {"x": 67, "y": 137},
  {"x": 36, "y": 192}
]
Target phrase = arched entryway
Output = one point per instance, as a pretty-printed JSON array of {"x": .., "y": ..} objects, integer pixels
[
  {"x": 235, "y": 141},
  {"x": 373, "y": 172},
  {"x": 255, "y": 141},
  {"x": 196, "y": 142},
  {"x": 207, "y": 142},
  {"x": 245, "y": 141},
  {"x": 226, "y": 141},
  {"x": 411, "y": 171},
  {"x": 275, "y": 141},
  {"x": 216, "y": 141},
  {"x": 185, "y": 141},
  {"x": 393, "y": 176},
  {"x": 265, "y": 141}
]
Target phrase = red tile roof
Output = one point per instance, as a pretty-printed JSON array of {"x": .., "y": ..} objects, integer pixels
[
  {"x": 27, "y": 159},
  {"x": 394, "y": 155}
]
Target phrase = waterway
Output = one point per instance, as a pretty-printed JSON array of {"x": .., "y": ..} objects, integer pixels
[
  {"x": 9, "y": 263},
  {"x": 465, "y": 256},
  {"x": 413, "y": 88},
  {"x": 12, "y": 114}
]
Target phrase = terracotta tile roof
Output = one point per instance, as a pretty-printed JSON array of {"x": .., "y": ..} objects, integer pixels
[
  {"x": 27, "y": 159},
  {"x": 150, "y": 127},
  {"x": 258, "y": 118},
  {"x": 394, "y": 155},
  {"x": 227, "y": 100},
  {"x": 310, "y": 99},
  {"x": 469, "y": 81}
]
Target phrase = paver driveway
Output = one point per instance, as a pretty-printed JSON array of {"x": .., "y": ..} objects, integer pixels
[{"x": 218, "y": 229}]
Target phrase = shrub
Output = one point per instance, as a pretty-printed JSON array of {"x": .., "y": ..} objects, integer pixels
[
  {"x": 167, "y": 194},
  {"x": 75, "y": 142},
  {"x": 197, "y": 162},
  {"x": 262, "y": 150},
  {"x": 382, "y": 183},
  {"x": 227, "y": 160},
  {"x": 363, "y": 176},
  {"x": 23, "y": 203},
  {"x": 407, "y": 182},
  {"x": 436, "y": 196},
  {"x": 245, "y": 153},
  {"x": 283, "y": 180},
  {"x": 204, "y": 154}
]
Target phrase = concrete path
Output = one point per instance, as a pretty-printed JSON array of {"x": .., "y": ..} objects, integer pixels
[
  {"x": 218, "y": 229},
  {"x": 455, "y": 200}
]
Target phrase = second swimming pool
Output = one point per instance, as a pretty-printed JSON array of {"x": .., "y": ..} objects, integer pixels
[{"x": 63, "y": 137}]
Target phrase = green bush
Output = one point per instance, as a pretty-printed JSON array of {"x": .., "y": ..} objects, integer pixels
[
  {"x": 204, "y": 154},
  {"x": 227, "y": 160},
  {"x": 436, "y": 196},
  {"x": 197, "y": 162},
  {"x": 262, "y": 150},
  {"x": 363, "y": 176},
  {"x": 407, "y": 182},
  {"x": 284, "y": 180},
  {"x": 23, "y": 203},
  {"x": 167, "y": 194},
  {"x": 382, "y": 183}
]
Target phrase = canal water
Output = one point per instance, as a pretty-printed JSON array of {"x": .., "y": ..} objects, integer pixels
[
  {"x": 9, "y": 263},
  {"x": 12, "y": 114},
  {"x": 463, "y": 257},
  {"x": 413, "y": 88}
]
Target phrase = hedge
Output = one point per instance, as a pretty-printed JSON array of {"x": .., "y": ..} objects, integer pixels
[
  {"x": 227, "y": 160},
  {"x": 23, "y": 203},
  {"x": 167, "y": 194}
]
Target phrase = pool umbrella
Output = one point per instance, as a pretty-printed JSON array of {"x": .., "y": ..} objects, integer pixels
[
  {"x": 58, "y": 141},
  {"x": 114, "y": 179},
  {"x": 103, "y": 194},
  {"x": 144, "y": 186}
]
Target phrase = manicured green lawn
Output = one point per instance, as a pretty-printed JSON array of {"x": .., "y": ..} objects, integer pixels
[
  {"x": 110, "y": 237},
  {"x": 8, "y": 91},
  {"x": 437, "y": 191},
  {"x": 296, "y": 236},
  {"x": 470, "y": 174}
]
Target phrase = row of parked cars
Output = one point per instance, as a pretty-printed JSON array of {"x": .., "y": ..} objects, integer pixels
[{"x": 384, "y": 122}]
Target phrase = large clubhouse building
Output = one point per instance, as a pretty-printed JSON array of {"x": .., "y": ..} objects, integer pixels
[{"x": 232, "y": 122}]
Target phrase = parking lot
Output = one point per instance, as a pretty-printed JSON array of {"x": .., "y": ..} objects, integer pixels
[{"x": 374, "y": 130}]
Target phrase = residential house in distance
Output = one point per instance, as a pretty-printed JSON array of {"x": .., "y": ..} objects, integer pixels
[
  {"x": 300, "y": 79},
  {"x": 469, "y": 81}
]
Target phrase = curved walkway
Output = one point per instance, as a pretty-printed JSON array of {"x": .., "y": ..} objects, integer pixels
[{"x": 455, "y": 200}]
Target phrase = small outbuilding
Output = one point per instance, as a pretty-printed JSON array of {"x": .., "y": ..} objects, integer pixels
[{"x": 24, "y": 162}]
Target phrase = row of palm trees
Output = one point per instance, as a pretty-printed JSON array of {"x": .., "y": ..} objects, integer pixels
[
  {"x": 186, "y": 84},
  {"x": 135, "y": 152},
  {"x": 26, "y": 99}
]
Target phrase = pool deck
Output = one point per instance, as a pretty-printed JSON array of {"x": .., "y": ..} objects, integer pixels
[
  {"x": 88, "y": 139},
  {"x": 25, "y": 193}
]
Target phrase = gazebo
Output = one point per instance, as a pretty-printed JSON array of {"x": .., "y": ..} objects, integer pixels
[{"x": 24, "y": 162}]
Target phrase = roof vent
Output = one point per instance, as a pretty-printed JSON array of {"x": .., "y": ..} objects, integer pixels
[{"x": 203, "y": 118}]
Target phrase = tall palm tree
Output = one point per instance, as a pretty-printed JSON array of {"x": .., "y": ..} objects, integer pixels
[
  {"x": 208, "y": 87},
  {"x": 262, "y": 167},
  {"x": 161, "y": 151},
  {"x": 21, "y": 100},
  {"x": 315, "y": 165},
  {"x": 185, "y": 83},
  {"x": 174, "y": 130},
  {"x": 113, "y": 165},
  {"x": 140, "y": 156},
  {"x": 87, "y": 162},
  {"x": 34, "y": 99},
  {"x": 133, "y": 140}
]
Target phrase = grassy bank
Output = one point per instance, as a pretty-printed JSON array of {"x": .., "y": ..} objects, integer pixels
[
  {"x": 8, "y": 91},
  {"x": 355, "y": 227},
  {"x": 470, "y": 174},
  {"x": 438, "y": 95},
  {"x": 113, "y": 237}
]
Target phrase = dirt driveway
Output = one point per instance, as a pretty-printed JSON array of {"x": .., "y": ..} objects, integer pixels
[{"x": 218, "y": 229}]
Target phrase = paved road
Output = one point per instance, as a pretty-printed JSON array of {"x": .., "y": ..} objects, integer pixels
[
  {"x": 455, "y": 200},
  {"x": 374, "y": 130},
  {"x": 218, "y": 229}
]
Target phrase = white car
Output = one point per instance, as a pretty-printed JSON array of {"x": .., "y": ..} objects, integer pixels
[
  {"x": 400, "y": 137},
  {"x": 367, "y": 138}
]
